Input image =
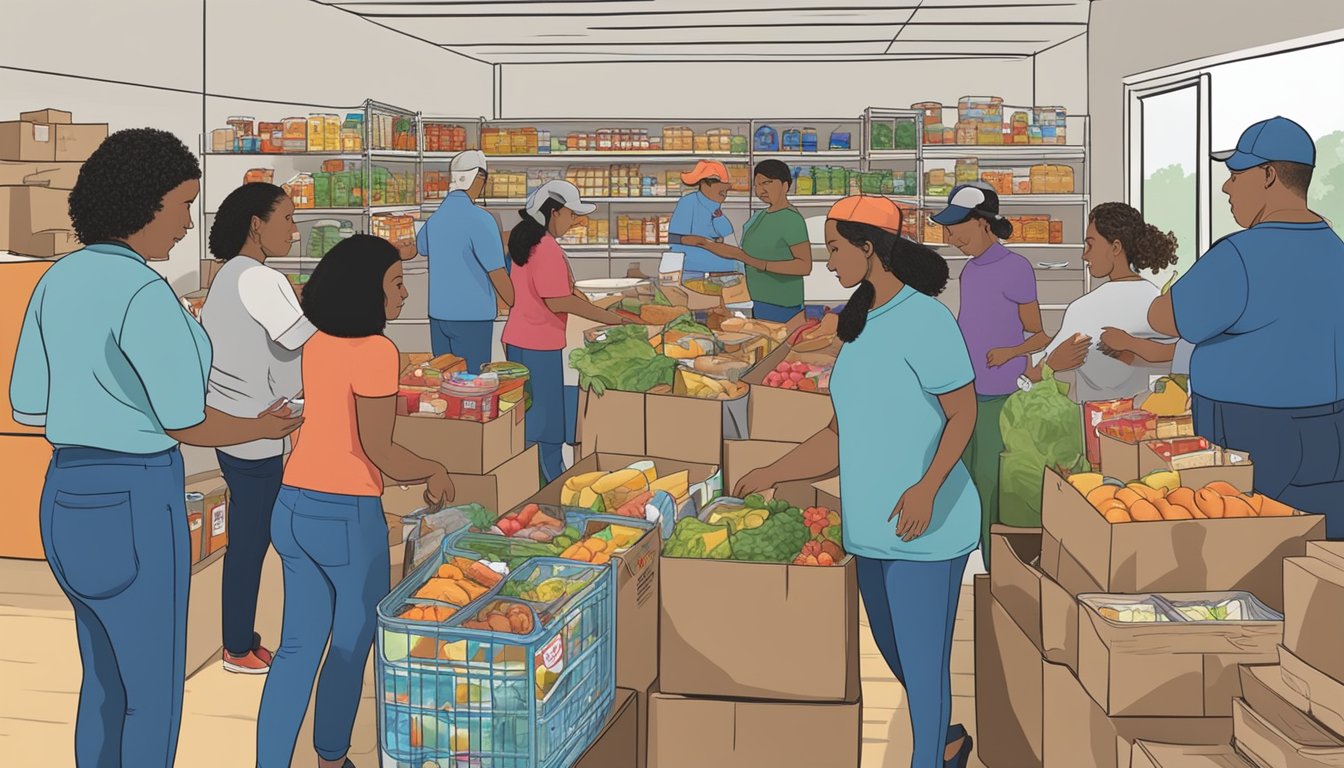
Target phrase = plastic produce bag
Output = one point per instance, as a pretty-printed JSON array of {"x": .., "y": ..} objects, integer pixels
[{"x": 1043, "y": 420}]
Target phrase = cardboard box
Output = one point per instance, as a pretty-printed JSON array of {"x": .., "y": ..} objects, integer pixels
[
  {"x": 741, "y": 457},
  {"x": 1323, "y": 694},
  {"x": 1171, "y": 669},
  {"x": 1176, "y": 556},
  {"x": 638, "y": 584},
  {"x": 52, "y": 175},
  {"x": 612, "y": 423},
  {"x": 780, "y": 414},
  {"x": 663, "y": 426},
  {"x": 469, "y": 447},
  {"x": 828, "y": 493},
  {"x": 1314, "y": 613},
  {"x": 686, "y": 732},
  {"x": 214, "y": 531},
  {"x": 36, "y": 209},
  {"x": 1273, "y": 732},
  {"x": 759, "y": 630},
  {"x": 1330, "y": 552},
  {"x": 27, "y": 142},
  {"x": 76, "y": 143},
  {"x": 48, "y": 116},
  {"x": 1131, "y": 461},
  {"x": 1044, "y": 610},
  {"x": 1078, "y": 733},
  {"x": 1008, "y": 687},
  {"x": 25, "y": 459},
  {"x": 1149, "y": 754},
  {"x": 616, "y": 745},
  {"x": 205, "y": 613},
  {"x": 44, "y": 245},
  {"x": 504, "y": 487},
  {"x": 396, "y": 555}
]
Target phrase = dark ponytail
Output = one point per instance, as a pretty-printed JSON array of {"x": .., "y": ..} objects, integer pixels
[
  {"x": 998, "y": 226},
  {"x": 918, "y": 266},
  {"x": 233, "y": 221},
  {"x": 1146, "y": 246},
  {"x": 527, "y": 234}
]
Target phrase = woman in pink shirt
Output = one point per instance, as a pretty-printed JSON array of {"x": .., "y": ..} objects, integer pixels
[{"x": 544, "y": 298}]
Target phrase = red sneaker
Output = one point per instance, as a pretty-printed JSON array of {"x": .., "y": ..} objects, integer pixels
[
  {"x": 266, "y": 657},
  {"x": 249, "y": 664}
]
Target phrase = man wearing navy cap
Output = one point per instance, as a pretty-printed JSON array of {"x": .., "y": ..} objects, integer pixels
[{"x": 1263, "y": 311}]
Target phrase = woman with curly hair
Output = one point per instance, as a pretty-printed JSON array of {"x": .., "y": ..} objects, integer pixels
[
  {"x": 912, "y": 514},
  {"x": 115, "y": 369},
  {"x": 1113, "y": 318},
  {"x": 258, "y": 331}
]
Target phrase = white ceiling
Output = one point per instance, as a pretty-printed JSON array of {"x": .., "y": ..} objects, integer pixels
[{"x": 535, "y": 32}]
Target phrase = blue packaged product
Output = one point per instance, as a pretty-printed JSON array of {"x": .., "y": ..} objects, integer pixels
[
  {"x": 840, "y": 141},
  {"x": 767, "y": 139},
  {"x": 793, "y": 140}
]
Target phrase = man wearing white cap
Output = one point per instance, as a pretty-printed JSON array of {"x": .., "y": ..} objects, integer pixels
[{"x": 466, "y": 266}]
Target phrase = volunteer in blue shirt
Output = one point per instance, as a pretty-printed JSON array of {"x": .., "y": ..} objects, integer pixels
[
  {"x": 467, "y": 268},
  {"x": 700, "y": 213},
  {"x": 110, "y": 363},
  {"x": 1262, "y": 309},
  {"x": 904, "y": 396}
]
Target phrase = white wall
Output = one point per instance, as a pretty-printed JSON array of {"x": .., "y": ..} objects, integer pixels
[
  {"x": 1060, "y": 76},
  {"x": 751, "y": 90},
  {"x": 1129, "y": 37}
]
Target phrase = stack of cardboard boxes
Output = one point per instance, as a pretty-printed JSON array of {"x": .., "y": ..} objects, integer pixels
[
  {"x": 40, "y": 157},
  {"x": 1058, "y": 683},
  {"x": 758, "y": 663}
]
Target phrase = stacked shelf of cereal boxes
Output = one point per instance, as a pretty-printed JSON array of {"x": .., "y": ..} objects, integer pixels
[
  {"x": 471, "y": 424},
  {"x": 1103, "y": 593}
]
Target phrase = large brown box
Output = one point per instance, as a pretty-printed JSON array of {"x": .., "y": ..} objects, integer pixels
[
  {"x": 769, "y": 631},
  {"x": 1169, "y": 669},
  {"x": 48, "y": 117},
  {"x": 741, "y": 457},
  {"x": 1314, "y": 613},
  {"x": 662, "y": 426},
  {"x": 1272, "y": 730},
  {"x": 1078, "y": 733},
  {"x": 784, "y": 415},
  {"x": 1046, "y": 611},
  {"x": 1324, "y": 695},
  {"x": 27, "y": 142},
  {"x": 1148, "y": 754},
  {"x": 76, "y": 143},
  {"x": 466, "y": 447},
  {"x": 52, "y": 175},
  {"x": 618, "y": 742},
  {"x": 1130, "y": 461},
  {"x": 1009, "y": 706},
  {"x": 205, "y": 613},
  {"x": 1176, "y": 556},
  {"x": 686, "y": 732},
  {"x": 498, "y": 490}
]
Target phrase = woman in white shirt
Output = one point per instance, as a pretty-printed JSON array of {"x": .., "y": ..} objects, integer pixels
[
  {"x": 1105, "y": 335},
  {"x": 257, "y": 328}
]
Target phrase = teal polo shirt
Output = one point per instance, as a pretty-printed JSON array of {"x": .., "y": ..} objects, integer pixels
[
  {"x": 885, "y": 388},
  {"x": 108, "y": 357}
]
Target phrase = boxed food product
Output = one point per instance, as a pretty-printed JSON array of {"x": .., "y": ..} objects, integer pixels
[
  {"x": 1094, "y": 414},
  {"x": 1079, "y": 733},
  {"x": 1008, "y": 685},
  {"x": 1314, "y": 604},
  {"x": 215, "y": 532},
  {"x": 1232, "y": 554},
  {"x": 1148, "y": 754},
  {"x": 1172, "y": 655},
  {"x": 1271, "y": 728},
  {"x": 749, "y": 734},
  {"x": 27, "y": 142}
]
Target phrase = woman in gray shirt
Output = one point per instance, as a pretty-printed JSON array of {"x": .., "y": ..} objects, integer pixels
[{"x": 257, "y": 328}]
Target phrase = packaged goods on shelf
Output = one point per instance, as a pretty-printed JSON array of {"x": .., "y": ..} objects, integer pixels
[
  {"x": 589, "y": 232},
  {"x": 325, "y": 234},
  {"x": 649, "y": 230},
  {"x": 245, "y": 134},
  {"x": 259, "y": 175},
  {"x": 318, "y": 132},
  {"x": 397, "y": 230},
  {"x": 435, "y": 185},
  {"x": 445, "y": 137},
  {"x": 301, "y": 192},
  {"x": 392, "y": 187},
  {"x": 1052, "y": 180},
  {"x": 352, "y": 133},
  {"x": 392, "y": 133},
  {"x": 967, "y": 170},
  {"x": 507, "y": 185}
]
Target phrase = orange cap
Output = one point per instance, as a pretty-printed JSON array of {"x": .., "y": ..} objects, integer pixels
[
  {"x": 863, "y": 209},
  {"x": 705, "y": 169}
]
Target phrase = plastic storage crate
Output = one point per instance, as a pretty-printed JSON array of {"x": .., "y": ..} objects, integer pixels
[{"x": 453, "y": 696}]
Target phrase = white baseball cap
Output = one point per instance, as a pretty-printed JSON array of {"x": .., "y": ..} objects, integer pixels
[
  {"x": 562, "y": 192},
  {"x": 464, "y": 169}
]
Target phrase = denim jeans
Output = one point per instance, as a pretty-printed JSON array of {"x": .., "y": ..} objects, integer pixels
[
  {"x": 773, "y": 312},
  {"x": 912, "y": 610},
  {"x": 114, "y": 526},
  {"x": 253, "y": 487},
  {"x": 471, "y": 340},
  {"x": 545, "y": 425},
  {"x": 335, "y": 555}
]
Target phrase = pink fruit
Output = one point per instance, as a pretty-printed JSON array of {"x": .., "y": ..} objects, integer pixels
[
  {"x": 799, "y": 368},
  {"x": 790, "y": 385},
  {"x": 795, "y": 377},
  {"x": 784, "y": 368}
]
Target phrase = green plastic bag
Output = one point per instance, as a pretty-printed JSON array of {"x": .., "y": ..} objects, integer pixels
[{"x": 1042, "y": 428}]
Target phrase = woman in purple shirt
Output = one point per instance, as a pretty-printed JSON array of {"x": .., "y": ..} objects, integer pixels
[{"x": 1000, "y": 319}]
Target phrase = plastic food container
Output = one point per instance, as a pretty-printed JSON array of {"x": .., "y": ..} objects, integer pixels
[
  {"x": 1131, "y": 609},
  {"x": 1132, "y": 427},
  {"x": 1240, "y": 607}
]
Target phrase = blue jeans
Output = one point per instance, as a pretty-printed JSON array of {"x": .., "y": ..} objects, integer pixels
[
  {"x": 253, "y": 486},
  {"x": 114, "y": 526},
  {"x": 1297, "y": 452},
  {"x": 773, "y": 312},
  {"x": 335, "y": 555},
  {"x": 545, "y": 423},
  {"x": 471, "y": 340},
  {"x": 912, "y": 610}
]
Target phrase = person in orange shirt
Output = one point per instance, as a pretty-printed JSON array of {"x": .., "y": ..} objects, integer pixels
[{"x": 328, "y": 525}]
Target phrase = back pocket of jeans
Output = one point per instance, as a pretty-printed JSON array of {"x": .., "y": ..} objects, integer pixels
[
  {"x": 1321, "y": 451},
  {"x": 93, "y": 538},
  {"x": 325, "y": 539}
]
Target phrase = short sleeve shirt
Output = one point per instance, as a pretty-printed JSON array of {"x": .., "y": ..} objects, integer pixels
[
  {"x": 108, "y": 357},
  {"x": 697, "y": 215},
  {"x": 885, "y": 389},
  {"x": 463, "y": 245},
  {"x": 994, "y": 285},
  {"x": 771, "y": 236},
  {"x": 546, "y": 275},
  {"x": 1262, "y": 308},
  {"x": 328, "y": 456}
]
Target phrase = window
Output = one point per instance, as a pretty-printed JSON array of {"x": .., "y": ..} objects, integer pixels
[{"x": 1170, "y": 158}]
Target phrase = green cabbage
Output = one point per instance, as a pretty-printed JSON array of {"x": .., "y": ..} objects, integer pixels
[
  {"x": 1041, "y": 428},
  {"x": 622, "y": 361}
]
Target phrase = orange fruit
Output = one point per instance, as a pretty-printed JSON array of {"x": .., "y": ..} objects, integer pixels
[
  {"x": 1237, "y": 506},
  {"x": 1222, "y": 488},
  {"x": 1273, "y": 508},
  {"x": 1211, "y": 503},
  {"x": 1171, "y": 511},
  {"x": 1129, "y": 497},
  {"x": 1102, "y": 494},
  {"x": 1182, "y": 496},
  {"x": 1144, "y": 511},
  {"x": 1150, "y": 494},
  {"x": 1117, "y": 515}
]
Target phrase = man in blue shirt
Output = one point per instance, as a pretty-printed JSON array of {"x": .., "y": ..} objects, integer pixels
[
  {"x": 1262, "y": 311},
  {"x": 466, "y": 267},
  {"x": 701, "y": 213}
]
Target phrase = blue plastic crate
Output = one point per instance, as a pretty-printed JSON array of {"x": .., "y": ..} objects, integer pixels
[{"x": 471, "y": 697}]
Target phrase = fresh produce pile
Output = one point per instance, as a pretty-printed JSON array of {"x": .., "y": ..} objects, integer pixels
[
  {"x": 596, "y": 548},
  {"x": 707, "y": 387},
  {"x": 756, "y": 530},
  {"x": 624, "y": 492},
  {"x": 529, "y": 522},
  {"x": 623, "y": 361},
  {"x": 1161, "y": 496},
  {"x": 804, "y": 377},
  {"x": 458, "y": 582},
  {"x": 502, "y": 617}
]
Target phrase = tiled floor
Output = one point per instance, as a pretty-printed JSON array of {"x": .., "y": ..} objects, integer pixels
[{"x": 39, "y": 677}]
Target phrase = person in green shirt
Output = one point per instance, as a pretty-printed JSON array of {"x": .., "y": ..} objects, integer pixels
[{"x": 775, "y": 247}]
